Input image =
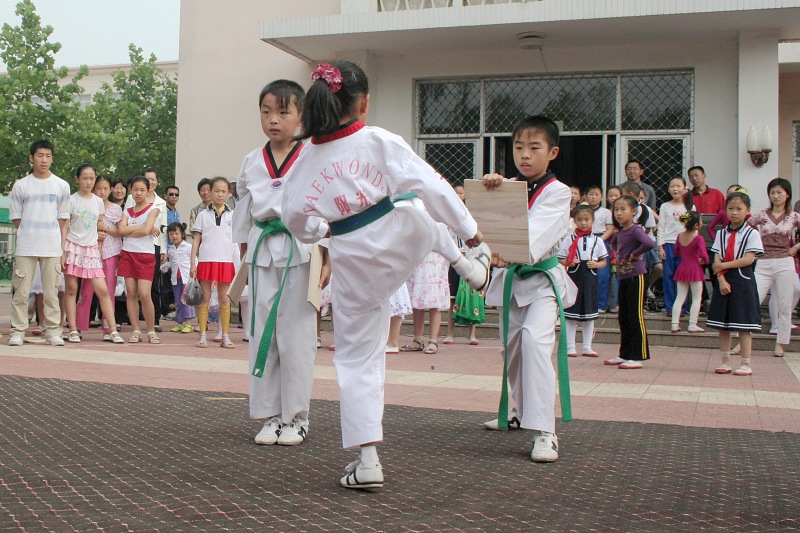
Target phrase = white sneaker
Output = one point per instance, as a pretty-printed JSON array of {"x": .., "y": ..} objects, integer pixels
[
  {"x": 55, "y": 340},
  {"x": 269, "y": 433},
  {"x": 294, "y": 433},
  {"x": 474, "y": 267},
  {"x": 545, "y": 448},
  {"x": 16, "y": 339},
  {"x": 513, "y": 421},
  {"x": 363, "y": 476}
]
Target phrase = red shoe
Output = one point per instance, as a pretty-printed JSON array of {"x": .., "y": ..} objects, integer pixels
[
  {"x": 631, "y": 365},
  {"x": 676, "y": 330},
  {"x": 474, "y": 342},
  {"x": 590, "y": 354},
  {"x": 615, "y": 361},
  {"x": 572, "y": 355}
]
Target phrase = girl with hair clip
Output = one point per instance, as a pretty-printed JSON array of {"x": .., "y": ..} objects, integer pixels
[
  {"x": 735, "y": 303},
  {"x": 345, "y": 180},
  {"x": 179, "y": 263},
  {"x": 110, "y": 246},
  {"x": 777, "y": 226},
  {"x": 82, "y": 259},
  {"x": 669, "y": 227},
  {"x": 583, "y": 253},
  {"x": 690, "y": 248}
]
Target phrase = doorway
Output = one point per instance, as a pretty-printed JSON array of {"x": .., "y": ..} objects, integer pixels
[{"x": 583, "y": 160}]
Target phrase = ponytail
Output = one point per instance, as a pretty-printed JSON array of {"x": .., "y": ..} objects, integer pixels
[{"x": 332, "y": 97}]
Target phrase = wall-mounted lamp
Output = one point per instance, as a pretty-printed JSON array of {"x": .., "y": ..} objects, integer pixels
[{"x": 759, "y": 152}]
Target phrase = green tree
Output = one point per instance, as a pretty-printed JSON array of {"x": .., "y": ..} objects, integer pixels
[
  {"x": 137, "y": 116},
  {"x": 131, "y": 124},
  {"x": 36, "y": 99}
]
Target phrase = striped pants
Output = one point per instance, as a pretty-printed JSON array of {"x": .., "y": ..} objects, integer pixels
[{"x": 633, "y": 344}]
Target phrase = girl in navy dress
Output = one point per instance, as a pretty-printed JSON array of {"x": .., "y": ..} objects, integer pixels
[
  {"x": 734, "y": 304},
  {"x": 582, "y": 253}
]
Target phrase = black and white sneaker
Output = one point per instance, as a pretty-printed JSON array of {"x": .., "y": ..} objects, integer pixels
[
  {"x": 545, "y": 448},
  {"x": 363, "y": 476},
  {"x": 513, "y": 421},
  {"x": 294, "y": 433},
  {"x": 270, "y": 432}
]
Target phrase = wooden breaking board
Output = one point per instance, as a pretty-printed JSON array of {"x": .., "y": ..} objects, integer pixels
[{"x": 502, "y": 216}]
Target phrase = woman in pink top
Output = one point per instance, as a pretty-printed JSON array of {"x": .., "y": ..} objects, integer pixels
[{"x": 777, "y": 225}]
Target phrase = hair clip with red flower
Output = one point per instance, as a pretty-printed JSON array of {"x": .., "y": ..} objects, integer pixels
[{"x": 331, "y": 75}]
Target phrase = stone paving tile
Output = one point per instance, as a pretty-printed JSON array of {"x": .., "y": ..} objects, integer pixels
[{"x": 80, "y": 456}]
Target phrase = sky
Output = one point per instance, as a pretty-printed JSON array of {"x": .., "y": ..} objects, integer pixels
[{"x": 98, "y": 32}]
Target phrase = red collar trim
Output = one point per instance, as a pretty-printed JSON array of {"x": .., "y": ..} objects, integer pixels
[
  {"x": 133, "y": 214},
  {"x": 338, "y": 134},
  {"x": 274, "y": 170},
  {"x": 540, "y": 189}
]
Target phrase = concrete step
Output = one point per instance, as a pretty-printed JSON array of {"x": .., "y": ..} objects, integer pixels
[{"x": 607, "y": 332}]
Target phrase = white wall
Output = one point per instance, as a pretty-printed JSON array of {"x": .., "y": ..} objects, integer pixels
[
  {"x": 758, "y": 106},
  {"x": 223, "y": 67}
]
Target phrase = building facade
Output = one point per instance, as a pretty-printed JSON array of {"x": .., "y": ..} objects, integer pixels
[{"x": 670, "y": 83}]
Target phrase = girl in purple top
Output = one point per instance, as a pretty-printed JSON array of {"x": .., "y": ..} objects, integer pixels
[{"x": 630, "y": 243}]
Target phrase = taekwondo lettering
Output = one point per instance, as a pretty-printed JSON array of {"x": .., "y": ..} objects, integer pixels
[{"x": 356, "y": 170}]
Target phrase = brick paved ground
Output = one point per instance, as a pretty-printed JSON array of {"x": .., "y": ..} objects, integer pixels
[
  {"x": 156, "y": 438},
  {"x": 84, "y": 456}
]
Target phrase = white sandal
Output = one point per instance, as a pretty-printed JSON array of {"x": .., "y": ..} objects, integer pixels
[
  {"x": 152, "y": 337},
  {"x": 74, "y": 336},
  {"x": 116, "y": 338},
  {"x": 136, "y": 336}
]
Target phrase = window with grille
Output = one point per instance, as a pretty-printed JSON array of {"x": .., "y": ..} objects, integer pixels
[
  {"x": 662, "y": 160},
  {"x": 657, "y": 105},
  {"x": 449, "y": 108},
  {"x": 581, "y": 103},
  {"x": 453, "y": 160},
  {"x": 796, "y": 140}
]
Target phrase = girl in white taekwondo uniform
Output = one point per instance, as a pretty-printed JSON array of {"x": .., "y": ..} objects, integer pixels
[
  {"x": 282, "y": 369},
  {"x": 347, "y": 176}
]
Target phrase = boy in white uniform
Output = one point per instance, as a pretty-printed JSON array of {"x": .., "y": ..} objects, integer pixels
[
  {"x": 534, "y": 308},
  {"x": 40, "y": 212},
  {"x": 347, "y": 176},
  {"x": 282, "y": 370}
]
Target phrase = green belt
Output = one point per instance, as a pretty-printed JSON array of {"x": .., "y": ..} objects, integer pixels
[
  {"x": 268, "y": 227},
  {"x": 359, "y": 220},
  {"x": 525, "y": 271}
]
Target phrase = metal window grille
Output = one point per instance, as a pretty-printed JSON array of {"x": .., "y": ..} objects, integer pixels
[
  {"x": 662, "y": 159},
  {"x": 582, "y": 103},
  {"x": 449, "y": 108},
  {"x": 403, "y": 5},
  {"x": 453, "y": 160},
  {"x": 656, "y": 102},
  {"x": 592, "y": 103},
  {"x": 796, "y": 141}
]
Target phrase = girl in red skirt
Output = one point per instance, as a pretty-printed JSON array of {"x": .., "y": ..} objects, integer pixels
[
  {"x": 212, "y": 258},
  {"x": 136, "y": 262}
]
